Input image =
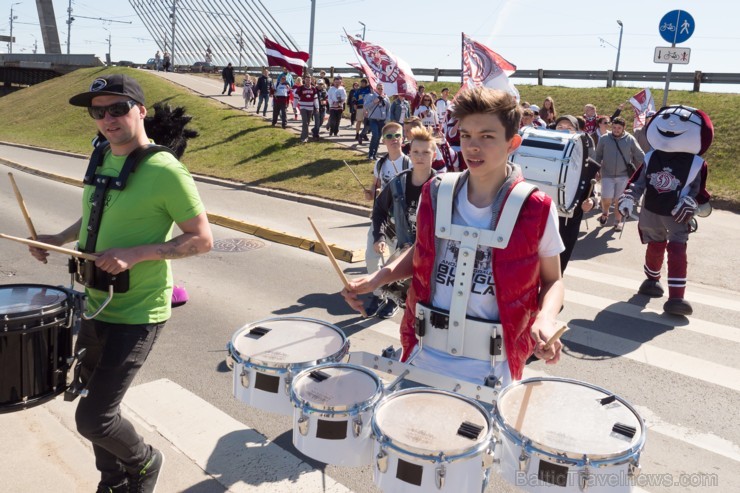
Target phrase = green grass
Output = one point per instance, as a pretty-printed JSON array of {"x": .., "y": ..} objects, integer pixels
[{"x": 242, "y": 147}]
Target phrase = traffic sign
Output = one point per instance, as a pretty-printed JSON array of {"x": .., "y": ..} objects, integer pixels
[
  {"x": 668, "y": 54},
  {"x": 676, "y": 26},
  {"x": 7, "y": 38}
]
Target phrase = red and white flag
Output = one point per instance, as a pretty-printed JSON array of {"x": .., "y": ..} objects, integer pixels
[
  {"x": 386, "y": 68},
  {"x": 280, "y": 56},
  {"x": 642, "y": 102},
  {"x": 481, "y": 66}
]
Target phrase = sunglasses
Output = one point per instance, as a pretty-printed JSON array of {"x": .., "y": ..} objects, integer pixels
[
  {"x": 115, "y": 110},
  {"x": 392, "y": 136}
]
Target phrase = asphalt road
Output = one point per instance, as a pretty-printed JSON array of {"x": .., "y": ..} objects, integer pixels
[{"x": 681, "y": 374}]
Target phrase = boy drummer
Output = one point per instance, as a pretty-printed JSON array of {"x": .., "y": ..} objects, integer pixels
[{"x": 486, "y": 284}]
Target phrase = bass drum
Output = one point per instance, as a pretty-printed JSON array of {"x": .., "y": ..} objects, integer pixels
[
  {"x": 552, "y": 161},
  {"x": 35, "y": 344}
]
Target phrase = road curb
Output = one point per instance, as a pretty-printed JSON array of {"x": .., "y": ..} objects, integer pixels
[{"x": 343, "y": 254}]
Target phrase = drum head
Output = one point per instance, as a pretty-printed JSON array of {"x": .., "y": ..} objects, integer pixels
[
  {"x": 337, "y": 387},
  {"x": 567, "y": 416},
  {"x": 429, "y": 421},
  {"x": 281, "y": 342},
  {"x": 25, "y": 300}
]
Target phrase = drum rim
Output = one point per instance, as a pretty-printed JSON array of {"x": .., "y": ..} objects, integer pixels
[
  {"x": 474, "y": 450},
  {"x": 271, "y": 366},
  {"x": 49, "y": 310},
  {"x": 356, "y": 408},
  {"x": 574, "y": 458}
]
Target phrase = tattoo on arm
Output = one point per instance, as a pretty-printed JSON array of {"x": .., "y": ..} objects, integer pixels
[{"x": 173, "y": 249}]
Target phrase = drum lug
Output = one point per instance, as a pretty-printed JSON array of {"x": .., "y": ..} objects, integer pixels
[
  {"x": 357, "y": 426},
  {"x": 288, "y": 381},
  {"x": 230, "y": 362},
  {"x": 634, "y": 469},
  {"x": 523, "y": 461},
  {"x": 303, "y": 424},
  {"x": 440, "y": 476},
  {"x": 244, "y": 379},
  {"x": 382, "y": 460},
  {"x": 584, "y": 478},
  {"x": 489, "y": 458}
]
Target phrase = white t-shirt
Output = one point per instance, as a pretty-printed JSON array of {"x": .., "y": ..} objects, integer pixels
[
  {"x": 427, "y": 114},
  {"x": 482, "y": 300},
  {"x": 390, "y": 169}
]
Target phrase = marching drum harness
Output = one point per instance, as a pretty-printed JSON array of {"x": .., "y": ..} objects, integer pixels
[
  {"x": 85, "y": 271},
  {"x": 453, "y": 332}
]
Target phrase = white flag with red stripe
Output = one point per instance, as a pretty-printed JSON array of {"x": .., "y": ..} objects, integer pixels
[
  {"x": 642, "y": 102},
  {"x": 280, "y": 56},
  {"x": 481, "y": 66},
  {"x": 386, "y": 68}
]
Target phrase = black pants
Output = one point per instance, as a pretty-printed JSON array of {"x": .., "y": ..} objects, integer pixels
[
  {"x": 279, "y": 106},
  {"x": 115, "y": 353},
  {"x": 335, "y": 117},
  {"x": 227, "y": 87},
  {"x": 568, "y": 227}
]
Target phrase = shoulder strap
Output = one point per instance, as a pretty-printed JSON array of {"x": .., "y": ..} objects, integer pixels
[
  {"x": 96, "y": 160},
  {"x": 406, "y": 163},
  {"x": 133, "y": 160}
]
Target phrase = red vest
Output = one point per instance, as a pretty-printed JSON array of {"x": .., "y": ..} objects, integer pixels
[{"x": 516, "y": 274}]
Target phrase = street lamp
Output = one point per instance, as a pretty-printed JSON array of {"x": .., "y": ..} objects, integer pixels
[
  {"x": 619, "y": 47},
  {"x": 12, "y": 18},
  {"x": 363, "y": 29}
]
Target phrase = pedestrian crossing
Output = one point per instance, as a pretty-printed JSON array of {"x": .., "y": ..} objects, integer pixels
[{"x": 664, "y": 355}]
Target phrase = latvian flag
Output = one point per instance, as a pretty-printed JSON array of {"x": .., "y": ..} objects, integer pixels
[{"x": 280, "y": 56}]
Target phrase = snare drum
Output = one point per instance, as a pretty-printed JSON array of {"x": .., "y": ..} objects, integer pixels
[
  {"x": 552, "y": 161},
  {"x": 35, "y": 344},
  {"x": 268, "y": 354},
  {"x": 431, "y": 440},
  {"x": 333, "y": 407},
  {"x": 563, "y": 435}
]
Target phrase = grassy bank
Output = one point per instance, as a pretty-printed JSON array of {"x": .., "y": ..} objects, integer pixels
[{"x": 238, "y": 146}]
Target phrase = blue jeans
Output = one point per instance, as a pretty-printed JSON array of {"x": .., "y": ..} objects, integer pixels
[
  {"x": 376, "y": 126},
  {"x": 263, "y": 98},
  {"x": 114, "y": 355}
]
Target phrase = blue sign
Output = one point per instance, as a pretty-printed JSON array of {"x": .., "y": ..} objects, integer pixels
[{"x": 676, "y": 26}]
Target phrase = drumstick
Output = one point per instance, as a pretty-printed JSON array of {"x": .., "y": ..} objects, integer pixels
[
  {"x": 356, "y": 177},
  {"x": 523, "y": 407},
  {"x": 53, "y": 248},
  {"x": 333, "y": 261},
  {"x": 24, "y": 210},
  {"x": 555, "y": 338},
  {"x": 22, "y": 205}
]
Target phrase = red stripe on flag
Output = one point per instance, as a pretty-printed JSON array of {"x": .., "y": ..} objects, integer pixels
[{"x": 280, "y": 56}]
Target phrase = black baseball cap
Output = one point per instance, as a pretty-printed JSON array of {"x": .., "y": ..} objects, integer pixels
[{"x": 110, "y": 85}]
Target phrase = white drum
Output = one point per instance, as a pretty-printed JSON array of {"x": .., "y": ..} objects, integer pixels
[
  {"x": 552, "y": 161},
  {"x": 333, "y": 408},
  {"x": 563, "y": 435},
  {"x": 429, "y": 440},
  {"x": 266, "y": 355}
]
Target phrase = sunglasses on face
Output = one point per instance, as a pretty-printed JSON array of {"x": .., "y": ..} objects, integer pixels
[
  {"x": 392, "y": 136},
  {"x": 115, "y": 110}
]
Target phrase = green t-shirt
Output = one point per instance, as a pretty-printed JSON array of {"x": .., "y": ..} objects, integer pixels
[{"x": 158, "y": 194}]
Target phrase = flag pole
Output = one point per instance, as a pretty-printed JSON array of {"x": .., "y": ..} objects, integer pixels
[{"x": 462, "y": 61}]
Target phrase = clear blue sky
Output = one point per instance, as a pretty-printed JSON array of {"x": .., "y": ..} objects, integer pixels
[{"x": 565, "y": 34}]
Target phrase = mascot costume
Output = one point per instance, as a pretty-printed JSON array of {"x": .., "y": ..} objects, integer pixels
[{"x": 673, "y": 179}]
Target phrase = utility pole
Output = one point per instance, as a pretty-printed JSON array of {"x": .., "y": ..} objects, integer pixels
[
  {"x": 173, "y": 17},
  {"x": 619, "y": 48},
  {"x": 71, "y": 19},
  {"x": 310, "y": 36},
  {"x": 241, "y": 46},
  {"x": 12, "y": 18}
]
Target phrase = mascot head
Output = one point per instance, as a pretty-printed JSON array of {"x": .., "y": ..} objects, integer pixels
[{"x": 680, "y": 129}]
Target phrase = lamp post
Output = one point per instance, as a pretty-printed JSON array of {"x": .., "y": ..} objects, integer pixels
[
  {"x": 12, "y": 18},
  {"x": 619, "y": 48},
  {"x": 363, "y": 29}
]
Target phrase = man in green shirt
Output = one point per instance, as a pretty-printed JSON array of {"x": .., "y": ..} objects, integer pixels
[{"x": 134, "y": 236}]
